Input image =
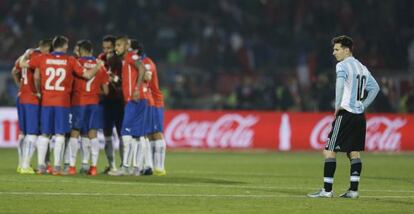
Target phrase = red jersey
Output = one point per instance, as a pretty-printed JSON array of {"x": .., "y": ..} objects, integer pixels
[
  {"x": 56, "y": 74},
  {"x": 130, "y": 77},
  {"x": 156, "y": 93},
  {"x": 114, "y": 65},
  {"x": 86, "y": 92},
  {"x": 27, "y": 92}
]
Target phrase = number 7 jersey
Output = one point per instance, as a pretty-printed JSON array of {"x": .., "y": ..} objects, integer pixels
[
  {"x": 357, "y": 81},
  {"x": 86, "y": 92},
  {"x": 56, "y": 75}
]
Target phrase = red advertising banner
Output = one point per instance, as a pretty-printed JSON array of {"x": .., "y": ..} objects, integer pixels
[
  {"x": 278, "y": 131},
  {"x": 210, "y": 129}
]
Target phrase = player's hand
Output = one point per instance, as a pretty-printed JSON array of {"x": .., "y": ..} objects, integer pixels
[
  {"x": 100, "y": 63},
  {"x": 147, "y": 75},
  {"x": 39, "y": 96},
  {"x": 114, "y": 78},
  {"x": 336, "y": 112},
  {"x": 29, "y": 51},
  {"x": 135, "y": 95}
]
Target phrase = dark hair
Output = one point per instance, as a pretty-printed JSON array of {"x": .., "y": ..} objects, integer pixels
[
  {"x": 135, "y": 45},
  {"x": 45, "y": 42},
  {"x": 109, "y": 38},
  {"x": 59, "y": 41},
  {"x": 345, "y": 41},
  {"x": 85, "y": 45},
  {"x": 125, "y": 38}
]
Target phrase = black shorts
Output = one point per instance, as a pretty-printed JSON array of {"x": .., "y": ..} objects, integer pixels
[
  {"x": 113, "y": 113},
  {"x": 348, "y": 133}
]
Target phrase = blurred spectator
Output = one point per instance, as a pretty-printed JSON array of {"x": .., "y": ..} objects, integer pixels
[{"x": 253, "y": 43}]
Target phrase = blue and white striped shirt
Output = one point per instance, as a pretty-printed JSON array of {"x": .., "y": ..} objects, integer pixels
[{"x": 353, "y": 80}]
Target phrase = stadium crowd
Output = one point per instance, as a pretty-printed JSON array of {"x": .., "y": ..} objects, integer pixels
[{"x": 234, "y": 54}]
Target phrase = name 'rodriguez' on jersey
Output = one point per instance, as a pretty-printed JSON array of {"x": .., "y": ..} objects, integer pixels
[{"x": 56, "y": 75}]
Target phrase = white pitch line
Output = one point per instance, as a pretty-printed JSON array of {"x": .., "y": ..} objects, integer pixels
[
  {"x": 188, "y": 185},
  {"x": 175, "y": 195}
]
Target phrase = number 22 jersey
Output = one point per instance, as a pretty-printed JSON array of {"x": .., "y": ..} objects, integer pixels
[{"x": 56, "y": 74}]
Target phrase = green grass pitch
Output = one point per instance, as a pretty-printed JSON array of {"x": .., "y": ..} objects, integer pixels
[{"x": 216, "y": 182}]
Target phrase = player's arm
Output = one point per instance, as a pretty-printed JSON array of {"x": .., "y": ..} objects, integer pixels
[
  {"x": 24, "y": 59},
  {"x": 372, "y": 89},
  {"x": 105, "y": 89},
  {"x": 36, "y": 79},
  {"x": 339, "y": 87},
  {"x": 141, "y": 71},
  {"x": 90, "y": 73},
  {"x": 16, "y": 76},
  {"x": 105, "y": 81}
]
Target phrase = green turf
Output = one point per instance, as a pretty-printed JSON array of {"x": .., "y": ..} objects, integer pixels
[{"x": 215, "y": 182}]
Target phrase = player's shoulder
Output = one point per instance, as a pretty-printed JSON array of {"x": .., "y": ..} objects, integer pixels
[
  {"x": 340, "y": 66},
  {"x": 132, "y": 56},
  {"x": 102, "y": 56}
]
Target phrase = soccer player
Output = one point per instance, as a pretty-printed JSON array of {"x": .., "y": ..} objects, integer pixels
[
  {"x": 133, "y": 88},
  {"x": 86, "y": 112},
  {"x": 356, "y": 88},
  {"x": 113, "y": 103},
  {"x": 55, "y": 75},
  {"x": 157, "y": 146},
  {"x": 28, "y": 109}
]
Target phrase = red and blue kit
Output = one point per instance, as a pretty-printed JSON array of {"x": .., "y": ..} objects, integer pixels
[
  {"x": 27, "y": 104},
  {"x": 86, "y": 111},
  {"x": 57, "y": 71}
]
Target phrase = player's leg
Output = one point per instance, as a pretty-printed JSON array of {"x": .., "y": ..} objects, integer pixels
[
  {"x": 108, "y": 116},
  {"x": 85, "y": 154},
  {"x": 92, "y": 134},
  {"x": 330, "y": 161},
  {"x": 71, "y": 152},
  {"x": 30, "y": 121},
  {"x": 42, "y": 143},
  {"x": 20, "y": 139},
  {"x": 128, "y": 123},
  {"x": 357, "y": 137},
  {"x": 159, "y": 150},
  {"x": 139, "y": 151},
  {"x": 158, "y": 142},
  {"x": 149, "y": 128},
  {"x": 118, "y": 120},
  {"x": 62, "y": 127}
]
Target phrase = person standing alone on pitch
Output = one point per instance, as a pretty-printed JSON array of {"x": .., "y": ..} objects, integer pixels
[{"x": 356, "y": 88}]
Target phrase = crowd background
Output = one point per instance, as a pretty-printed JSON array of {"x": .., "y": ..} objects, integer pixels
[{"x": 232, "y": 54}]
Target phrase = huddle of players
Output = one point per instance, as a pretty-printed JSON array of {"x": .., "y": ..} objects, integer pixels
[{"x": 68, "y": 98}]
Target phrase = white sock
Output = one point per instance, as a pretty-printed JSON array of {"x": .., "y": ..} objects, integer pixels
[
  {"x": 73, "y": 147},
  {"x": 66, "y": 155},
  {"x": 20, "y": 141},
  {"x": 85, "y": 148},
  {"x": 121, "y": 148},
  {"x": 95, "y": 151},
  {"x": 139, "y": 153},
  {"x": 42, "y": 148},
  {"x": 148, "y": 160},
  {"x": 127, "y": 151},
  {"x": 59, "y": 149},
  {"x": 110, "y": 153},
  {"x": 29, "y": 140},
  {"x": 159, "y": 154},
  {"x": 32, "y": 148}
]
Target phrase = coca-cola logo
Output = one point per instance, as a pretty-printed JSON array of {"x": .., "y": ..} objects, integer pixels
[
  {"x": 320, "y": 133},
  {"x": 382, "y": 134},
  {"x": 228, "y": 131}
]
